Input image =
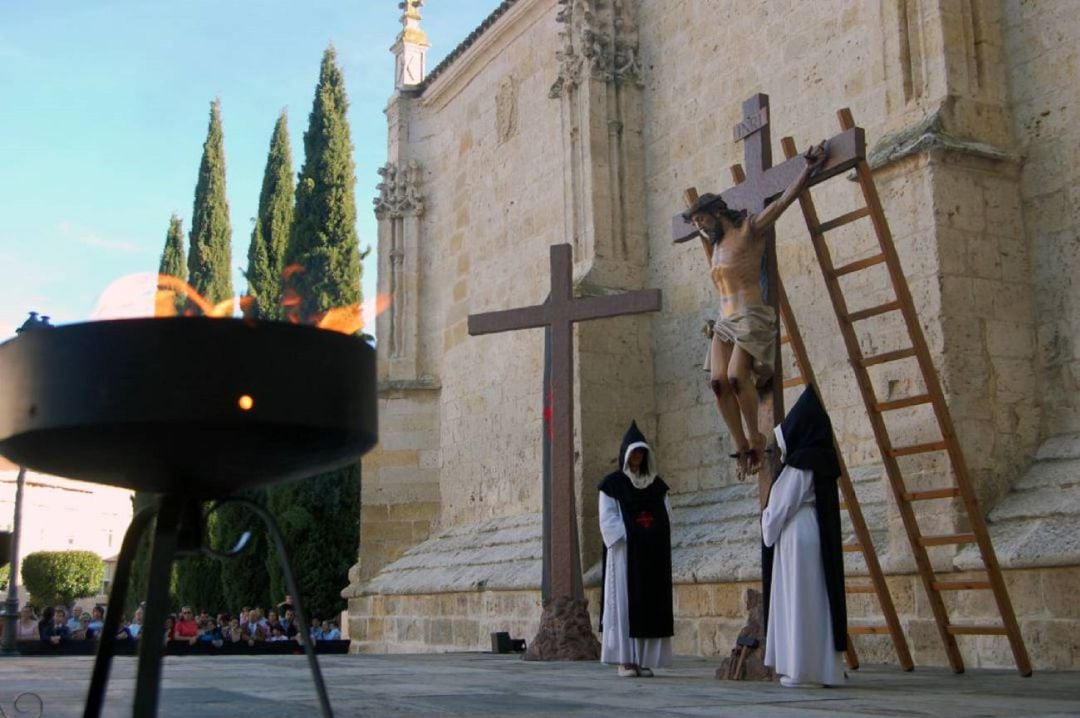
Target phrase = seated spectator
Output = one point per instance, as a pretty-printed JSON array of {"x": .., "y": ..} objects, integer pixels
[
  {"x": 170, "y": 627},
  {"x": 135, "y": 627},
  {"x": 288, "y": 624},
  {"x": 234, "y": 633},
  {"x": 272, "y": 620},
  {"x": 331, "y": 631},
  {"x": 316, "y": 629},
  {"x": 76, "y": 615},
  {"x": 28, "y": 625},
  {"x": 210, "y": 633},
  {"x": 256, "y": 630},
  {"x": 83, "y": 632},
  {"x": 46, "y": 621},
  {"x": 244, "y": 612},
  {"x": 286, "y": 604},
  {"x": 277, "y": 634},
  {"x": 97, "y": 619},
  {"x": 58, "y": 632},
  {"x": 186, "y": 627}
]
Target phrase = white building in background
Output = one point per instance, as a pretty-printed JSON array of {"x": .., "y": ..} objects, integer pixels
[{"x": 64, "y": 515}]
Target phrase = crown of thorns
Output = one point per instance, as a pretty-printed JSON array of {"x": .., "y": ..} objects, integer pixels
[{"x": 704, "y": 202}]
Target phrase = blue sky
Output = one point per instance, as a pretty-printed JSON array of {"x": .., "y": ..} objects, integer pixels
[{"x": 104, "y": 106}]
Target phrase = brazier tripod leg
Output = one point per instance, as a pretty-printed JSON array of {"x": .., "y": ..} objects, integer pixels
[
  {"x": 290, "y": 583},
  {"x": 117, "y": 596},
  {"x": 151, "y": 645}
]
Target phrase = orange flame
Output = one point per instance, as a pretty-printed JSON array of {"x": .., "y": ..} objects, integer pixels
[
  {"x": 169, "y": 287},
  {"x": 351, "y": 319},
  {"x": 347, "y": 320}
]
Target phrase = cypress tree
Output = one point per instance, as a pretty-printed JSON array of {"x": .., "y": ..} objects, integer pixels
[
  {"x": 320, "y": 516},
  {"x": 320, "y": 520},
  {"x": 210, "y": 255},
  {"x": 270, "y": 237},
  {"x": 244, "y": 577},
  {"x": 323, "y": 240},
  {"x": 172, "y": 258}
]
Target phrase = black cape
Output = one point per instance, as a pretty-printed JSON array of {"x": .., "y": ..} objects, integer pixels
[
  {"x": 808, "y": 440},
  {"x": 648, "y": 548}
]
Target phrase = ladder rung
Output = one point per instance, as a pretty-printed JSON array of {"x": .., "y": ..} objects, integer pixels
[
  {"x": 785, "y": 339},
  {"x": 860, "y": 588},
  {"x": 918, "y": 448},
  {"x": 948, "y": 493},
  {"x": 947, "y": 539},
  {"x": 902, "y": 403},
  {"x": 843, "y": 219},
  {"x": 860, "y": 264},
  {"x": 864, "y": 630},
  {"x": 873, "y": 311},
  {"x": 974, "y": 630},
  {"x": 888, "y": 356},
  {"x": 854, "y": 547},
  {"x": 960, "y": 585},
  {"x": 794, "y": 381}
]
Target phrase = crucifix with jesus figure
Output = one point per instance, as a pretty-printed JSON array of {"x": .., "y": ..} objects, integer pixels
[
  {"x": 736, "y": 231},
  {"x": 565, "y": 614}
]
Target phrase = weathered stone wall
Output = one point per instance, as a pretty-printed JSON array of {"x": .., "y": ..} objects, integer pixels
[
  {"x": 487, "y": 138},
  {"x": 1041, "y": 40},
  {"x": 400, "y": 500}
]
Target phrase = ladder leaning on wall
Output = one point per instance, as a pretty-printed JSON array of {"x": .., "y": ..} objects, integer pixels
[{"x": 933, "y": 395}]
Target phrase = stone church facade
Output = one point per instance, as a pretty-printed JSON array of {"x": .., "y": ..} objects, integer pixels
[{"x": 582, "y": 121}]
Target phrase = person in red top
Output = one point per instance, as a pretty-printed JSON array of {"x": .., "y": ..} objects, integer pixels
[{"x": 186, "y": 627}]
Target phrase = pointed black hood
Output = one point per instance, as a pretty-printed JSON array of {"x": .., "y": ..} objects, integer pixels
[
  {"x": 632, "y": 436},
  {"x": 808, "y": 437}
]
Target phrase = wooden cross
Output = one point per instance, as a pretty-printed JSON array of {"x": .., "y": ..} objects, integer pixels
[
  {"x": 756, "y": 186},
  {"x": 559, "y": 314}
]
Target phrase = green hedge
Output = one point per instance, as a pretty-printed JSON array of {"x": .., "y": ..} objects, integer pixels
[{"x": 60, "y": 577}]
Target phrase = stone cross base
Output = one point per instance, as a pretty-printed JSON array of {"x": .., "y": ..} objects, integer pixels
[
  {"x": 565, "y": 633},
  {"x": 752, "y": 666}
]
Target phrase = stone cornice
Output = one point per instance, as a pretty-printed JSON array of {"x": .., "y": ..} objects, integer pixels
[
  {"x": 390, "y": 386},
  {"x": 511, "y": 19},
  {"x": 930, "y": 135}
]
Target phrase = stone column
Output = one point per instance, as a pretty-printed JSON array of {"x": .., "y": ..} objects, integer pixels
[
  {"x": 599, "y": 91},
  {"x": 949, "y": 178}
]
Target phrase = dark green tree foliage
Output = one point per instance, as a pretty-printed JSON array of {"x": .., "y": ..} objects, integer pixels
[
  {"x": 320, "y": 519},
  {"x": 172, "y": 258},
  {"x": 210, "y": 257},
  {"x": 270, "y": 237},
  {"x": 320, "y": 516},
  {"x": 60, "y": 577},
  {"x": 198, "y": 578},
  {"x": 323, "y": 240},
  {"x": 244, "y": 578}
]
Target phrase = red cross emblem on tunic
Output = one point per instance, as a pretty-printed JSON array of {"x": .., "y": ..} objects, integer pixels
[{"x": 645, "y": 519}]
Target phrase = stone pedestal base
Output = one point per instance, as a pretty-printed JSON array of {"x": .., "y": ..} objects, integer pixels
[
  {"x": 565, "y": 633},
  {"x": 751, "y": 667}
]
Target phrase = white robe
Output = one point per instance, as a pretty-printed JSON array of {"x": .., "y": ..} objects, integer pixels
[
  {"x": 616, "y": 646},
  {"x": 799, "y": 638}
]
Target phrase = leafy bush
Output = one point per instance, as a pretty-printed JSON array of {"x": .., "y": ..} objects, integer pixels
[{"x": 60, "y": 577}]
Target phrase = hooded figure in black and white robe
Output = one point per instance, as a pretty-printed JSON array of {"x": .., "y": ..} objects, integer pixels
[
  {"x": 635, "y": 522},
  {"x": 803, "y": 564}
]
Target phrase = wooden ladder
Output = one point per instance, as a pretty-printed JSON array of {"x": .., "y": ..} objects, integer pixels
[
  {"x": 877, "y": 409},
  {"x": 789, "y": 335}
]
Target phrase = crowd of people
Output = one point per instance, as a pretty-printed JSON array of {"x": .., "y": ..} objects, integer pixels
[{"x": 250, "y": 626}]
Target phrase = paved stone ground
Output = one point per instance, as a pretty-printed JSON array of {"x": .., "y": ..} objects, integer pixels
[{"x": 477, "y": 684}]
